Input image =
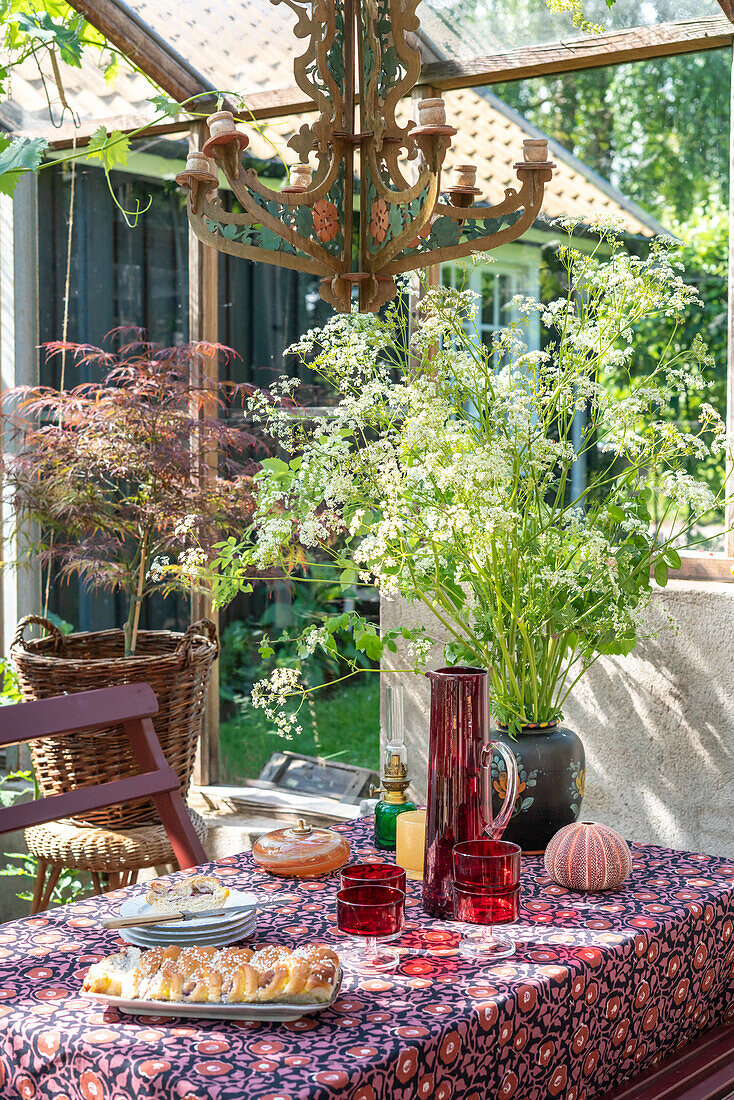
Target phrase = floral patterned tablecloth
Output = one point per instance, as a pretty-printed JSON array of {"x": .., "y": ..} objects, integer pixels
[{"x": 601, "y": 987}]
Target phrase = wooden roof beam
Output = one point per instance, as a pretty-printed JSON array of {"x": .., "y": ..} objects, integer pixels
[
  {"x": 68, "y": 136},
  {"x": 272, "y": 104},
  {"x": 727, "y": 6},
  {"x": 590, "y": 52}
]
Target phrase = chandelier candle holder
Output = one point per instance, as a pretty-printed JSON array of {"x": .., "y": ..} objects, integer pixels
[
  {"x": 200, "y": 179},
  {"x": 225, "y": 142},
  {"x": 362, "y": 58}
]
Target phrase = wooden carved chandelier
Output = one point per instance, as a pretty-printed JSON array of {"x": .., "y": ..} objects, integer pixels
[{"x": 309, "y": 225}]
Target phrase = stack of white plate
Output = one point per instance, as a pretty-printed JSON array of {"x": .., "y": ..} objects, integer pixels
[{"x": 204, "y": 931}]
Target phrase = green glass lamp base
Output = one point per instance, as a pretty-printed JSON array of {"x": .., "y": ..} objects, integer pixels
[{"x": 386, "y": 818}]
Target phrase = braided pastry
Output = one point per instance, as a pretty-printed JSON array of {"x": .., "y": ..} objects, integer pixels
[
  {"x": 181, "y": 977},
  {"x": 117, "y": 975},
  {"x": 233, "y": 975}
]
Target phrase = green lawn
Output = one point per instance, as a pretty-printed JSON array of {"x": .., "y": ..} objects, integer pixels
[{"x": 347, "y": 725}]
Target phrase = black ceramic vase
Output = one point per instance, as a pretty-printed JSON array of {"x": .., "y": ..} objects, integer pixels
[{"x": 552, "y": 765}]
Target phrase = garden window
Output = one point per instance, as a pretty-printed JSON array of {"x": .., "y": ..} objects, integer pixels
[{"x": 496, "y": 285}]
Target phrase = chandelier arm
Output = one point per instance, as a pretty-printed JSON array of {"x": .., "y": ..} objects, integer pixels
[
  {"x": 447, "y": 253},
  {"x": 309, "y": 26},
  {"x": 392, "y": 155},
  {"x": 325, "y": 92},
  {"x": 262, "y": 216},
  {"x": 410, "y": 193},
  {"x": 369, "y": 88},
  {"x": 253, "y": 252},
  {"x": 250, "y": 181},
  {"x": 211, "y": 209},
  {"x": 532, "y": 178},
  {"x": 512, "y": 201},
  {"x": 402, "y": 19},
  {"x": 334, "y": 100}
]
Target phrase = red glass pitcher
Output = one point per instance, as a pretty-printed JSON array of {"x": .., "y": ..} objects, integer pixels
[{"x": 460, "y": 778}]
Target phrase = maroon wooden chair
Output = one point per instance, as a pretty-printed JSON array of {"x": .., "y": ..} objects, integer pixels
[
  {"x": 703, "y": 1070},
  {"x": 130, "y": 706}
]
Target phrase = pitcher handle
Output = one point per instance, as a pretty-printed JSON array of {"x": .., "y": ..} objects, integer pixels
[{"x": 495, "y": 829}]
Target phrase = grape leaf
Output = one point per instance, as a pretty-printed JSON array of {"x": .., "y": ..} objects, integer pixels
[
  {"x": 17, "y": 156},
  {"x": 112, "y": 71},
  {"x": 43, "y": 29},
  {"x": 111, "y": 148},
  {"x": 165, "y": 106}
]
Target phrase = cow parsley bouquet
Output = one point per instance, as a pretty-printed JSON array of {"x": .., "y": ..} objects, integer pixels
[{"x": 444, "y": 475}]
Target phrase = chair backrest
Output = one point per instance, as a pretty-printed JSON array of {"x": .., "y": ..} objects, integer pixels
[
  {"x": 131, "y": 706},
  {"x": 86, "y": 710}
]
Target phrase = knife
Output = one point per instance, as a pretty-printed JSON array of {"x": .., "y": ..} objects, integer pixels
[{"x": 167, "y": 918}]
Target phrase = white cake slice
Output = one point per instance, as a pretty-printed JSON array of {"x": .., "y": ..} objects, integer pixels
[{"x": 189, "y": 895}]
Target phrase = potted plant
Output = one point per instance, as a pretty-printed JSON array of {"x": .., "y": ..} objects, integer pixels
[
  {"x": 108, "y": 481},
  {"x": 447, "y": 475}
]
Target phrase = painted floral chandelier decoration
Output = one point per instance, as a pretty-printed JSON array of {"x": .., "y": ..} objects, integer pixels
[{"x": 369, "y": 46}]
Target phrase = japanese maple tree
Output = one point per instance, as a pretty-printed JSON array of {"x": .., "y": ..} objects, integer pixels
[{"x": 120, "y": 476}]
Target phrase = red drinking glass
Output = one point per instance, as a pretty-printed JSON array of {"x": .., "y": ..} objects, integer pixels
[
  {"x": 377, "y": 873},
  {"x": 371, "y": 913},
  {"x": 490, "y": 864},
  {"x": 486, "y": 906},
  {"x": 487, "y": 892}
]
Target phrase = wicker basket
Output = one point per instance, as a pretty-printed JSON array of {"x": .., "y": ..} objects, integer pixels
[{"x": 177, "y": 667}]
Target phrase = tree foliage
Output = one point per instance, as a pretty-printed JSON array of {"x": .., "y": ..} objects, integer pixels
[
  {"x": 705, "y": 257},
  {"x": 657, "y": 129}
]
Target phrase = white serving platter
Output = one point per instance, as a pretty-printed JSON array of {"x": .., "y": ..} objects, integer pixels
[
  {"x": 164, "y": 934},
  {"x": 268, "y": 1013}
]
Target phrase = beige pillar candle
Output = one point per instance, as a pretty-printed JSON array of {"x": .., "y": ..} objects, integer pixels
[{"x": 410, "y": 842}]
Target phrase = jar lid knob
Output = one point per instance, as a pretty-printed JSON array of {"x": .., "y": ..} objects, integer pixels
[{"x": 302, "y": 829}]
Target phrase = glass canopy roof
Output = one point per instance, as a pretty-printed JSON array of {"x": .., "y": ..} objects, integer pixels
[
  {"x": 249, "y": 45},
  {"x": 470, "y": 28},
  {"x": 246, "y": 44}
]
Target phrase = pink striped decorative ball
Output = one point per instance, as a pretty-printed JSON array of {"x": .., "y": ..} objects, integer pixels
[{"x": 588, "y": 856}]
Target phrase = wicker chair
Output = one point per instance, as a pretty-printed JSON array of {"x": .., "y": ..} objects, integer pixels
[
  {"x": 113, "y": 855},
  {"x": 177, "y": 667}
]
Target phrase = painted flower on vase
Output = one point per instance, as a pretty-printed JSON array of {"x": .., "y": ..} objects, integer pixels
[
  {"x": 578, "y": 785},
  {"x": 325, "y": 220},
  {"x": 524, "y": 781}
]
